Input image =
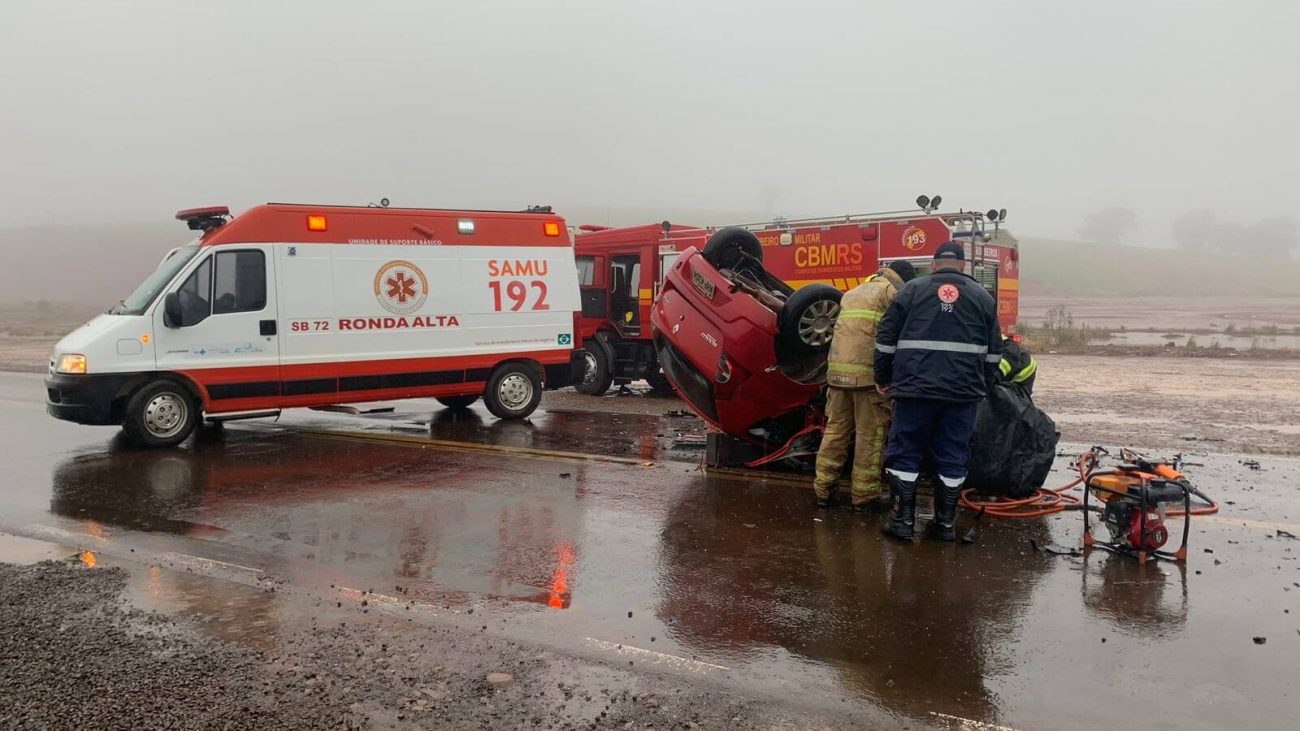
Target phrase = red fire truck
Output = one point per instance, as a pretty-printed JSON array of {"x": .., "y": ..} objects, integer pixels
[{"x": 621, "y": 272}]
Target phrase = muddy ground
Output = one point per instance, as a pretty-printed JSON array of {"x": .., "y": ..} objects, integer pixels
[{"x": 1188, "y": 404}]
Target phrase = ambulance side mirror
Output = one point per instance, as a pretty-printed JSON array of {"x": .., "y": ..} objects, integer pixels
[{"x": 172, "y": 310}]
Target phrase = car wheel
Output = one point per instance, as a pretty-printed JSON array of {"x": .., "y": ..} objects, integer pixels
[
  {"x": 807, "y": 320},
  {"x": 457, "y": 402},
  {"x": 513, "y": 391},
  {"x": 726, "y": 248},
  {"x": 597, "y": 370},
  {"x": 161, "y": 414}
]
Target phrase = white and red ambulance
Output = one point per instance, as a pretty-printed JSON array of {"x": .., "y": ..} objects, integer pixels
[{"x": 300, "y": 305}]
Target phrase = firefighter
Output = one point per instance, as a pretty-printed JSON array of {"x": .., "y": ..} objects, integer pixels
[
  {"x": 937, "y": 353},
  {"x": 854, "y": 410},
  {"x": 1018, "y": 367}
]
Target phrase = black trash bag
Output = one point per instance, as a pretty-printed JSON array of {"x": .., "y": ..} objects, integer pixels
[{"x": 1014, "y": 444}]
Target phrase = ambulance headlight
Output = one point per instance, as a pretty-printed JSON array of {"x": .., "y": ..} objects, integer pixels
[{"x": 71, "y": 363}]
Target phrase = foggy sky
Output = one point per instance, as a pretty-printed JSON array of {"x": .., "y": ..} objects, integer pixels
[{"x": 128, "y": 111}]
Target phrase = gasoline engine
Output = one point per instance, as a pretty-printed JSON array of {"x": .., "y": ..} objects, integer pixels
[{"x": 1135, "y": 497}]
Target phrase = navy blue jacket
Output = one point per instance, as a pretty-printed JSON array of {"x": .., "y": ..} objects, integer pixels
[{"x": 939, "y": 340}]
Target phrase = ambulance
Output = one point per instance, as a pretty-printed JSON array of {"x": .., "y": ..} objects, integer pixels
[{"x": 289, "y": 305}]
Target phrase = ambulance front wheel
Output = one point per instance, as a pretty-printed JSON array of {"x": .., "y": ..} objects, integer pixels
[
  {"x": 513, "y": 392},
  {"x": 161, "y": 414}
]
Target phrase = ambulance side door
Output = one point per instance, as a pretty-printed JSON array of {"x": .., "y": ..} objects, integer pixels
[{"x": 220, "y": 324}]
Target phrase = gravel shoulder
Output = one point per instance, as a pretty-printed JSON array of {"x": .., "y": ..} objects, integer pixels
[{"x": 75, "y": 653}]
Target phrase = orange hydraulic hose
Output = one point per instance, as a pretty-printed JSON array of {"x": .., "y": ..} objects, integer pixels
[{"x": 1049, "y": 500}]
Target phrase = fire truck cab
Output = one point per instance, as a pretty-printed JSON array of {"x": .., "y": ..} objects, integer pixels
[
  {"x": 621, "y": 272},
  {"x": 293, "y": 305}
]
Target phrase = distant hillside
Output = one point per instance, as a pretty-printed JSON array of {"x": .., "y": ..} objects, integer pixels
[
  {"x": 99, "y": 265},
  {"x": 1076, "y": 268},
  {"x": 93, "y": 265}
]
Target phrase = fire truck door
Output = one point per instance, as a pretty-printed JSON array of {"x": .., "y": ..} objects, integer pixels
[
  {"x": 986, "y": 274},
  {"x": 625, "y": 293},
  {"x": 592, "y": 287},
  {"x": 666, "y": 262}
]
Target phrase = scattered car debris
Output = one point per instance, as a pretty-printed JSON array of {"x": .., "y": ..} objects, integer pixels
[
  {"x": 1055, "y": 548},
  {"x": 690, "y": 441}
]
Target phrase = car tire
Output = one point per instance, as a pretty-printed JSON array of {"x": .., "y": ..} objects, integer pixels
[
  {"x": 162, "y": 413},
  {"x": 808, "y": 318},
  {"x": 725, "y": 248},
  {"x": 513, "y": 391},
  {"x": 458, "y": 402},
  {"x": 597, "y": 369}
]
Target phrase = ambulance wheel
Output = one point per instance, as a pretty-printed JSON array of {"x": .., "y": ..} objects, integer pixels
[
  {"x": 807, "y": 321},
  {"x": 161, "y": 414},
  {"x": 597, "y": 370},
  {"x": 513, "y": 391},
  {"x": 457, "y": 402},
  {"x": 724, "y": 249}
]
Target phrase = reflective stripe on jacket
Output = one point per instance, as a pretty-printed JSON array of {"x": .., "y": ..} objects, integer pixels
[
  {"x": 849, "y": 363},
  {"x": 1017, "y": 364},
  {"x": 939, "y": 340}
]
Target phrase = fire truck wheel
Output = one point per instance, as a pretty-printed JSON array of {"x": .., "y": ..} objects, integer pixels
[
  {"x": 513, "y": 391},
  {"x": 161, "y": 414},
  {"x": 724, "y": 248},
  {"x": 457, "y": 402},
  {"x": 597, "y": 370},
  {"x": 808, "y": 319}
]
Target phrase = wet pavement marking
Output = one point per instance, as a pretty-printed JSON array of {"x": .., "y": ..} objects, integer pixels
[
  {"x": 206, "y": 566},
  {"x": 662, "y": 658},
  {"x": 470, "y": 447},
  {"x": 967, "y": 724}
]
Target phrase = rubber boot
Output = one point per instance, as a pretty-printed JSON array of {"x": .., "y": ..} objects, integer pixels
[
  {"x": 943, "y": 526},
  {"x": 826, "y": 502},
  {"x": 903, "y": 522}
]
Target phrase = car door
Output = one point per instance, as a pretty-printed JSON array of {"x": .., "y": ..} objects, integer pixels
[{"x": 227, "y": 338}]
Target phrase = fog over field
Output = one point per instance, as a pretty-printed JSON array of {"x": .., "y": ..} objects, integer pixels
[{"x": 1116, "y": 122}]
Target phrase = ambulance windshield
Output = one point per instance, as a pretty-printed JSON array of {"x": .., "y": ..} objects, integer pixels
[{"x": 143, "y": 295}]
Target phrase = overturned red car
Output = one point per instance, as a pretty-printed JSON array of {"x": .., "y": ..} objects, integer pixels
[{"x": 747, "y": 351}]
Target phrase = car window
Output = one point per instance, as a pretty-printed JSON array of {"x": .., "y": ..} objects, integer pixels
[
  {"x": 239, "y": 284},
  {"x": 196, "y": 294}
]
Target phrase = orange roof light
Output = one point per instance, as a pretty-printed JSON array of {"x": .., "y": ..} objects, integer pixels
[
  {"x": 316, "y": 223},
  {"x": 551, "y": 228}
]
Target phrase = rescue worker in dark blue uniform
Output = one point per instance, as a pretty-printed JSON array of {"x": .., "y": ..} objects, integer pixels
[{"x": 937, "y": 352}]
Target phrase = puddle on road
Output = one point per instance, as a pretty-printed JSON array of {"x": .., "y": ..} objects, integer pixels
[{"x": 728, "y": 571}]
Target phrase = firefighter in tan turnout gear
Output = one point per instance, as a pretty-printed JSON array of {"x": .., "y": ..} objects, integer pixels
[{"x": 853, "y": 407}]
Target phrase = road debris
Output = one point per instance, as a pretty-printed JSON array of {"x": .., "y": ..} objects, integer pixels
[{"x": 1055, "y": 549}]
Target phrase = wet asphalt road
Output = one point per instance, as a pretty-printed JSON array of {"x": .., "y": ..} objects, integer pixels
[{"x": 636, "y": 552}]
